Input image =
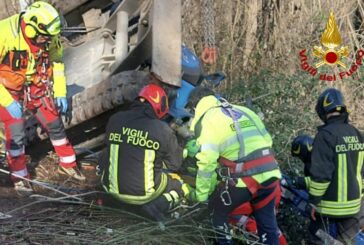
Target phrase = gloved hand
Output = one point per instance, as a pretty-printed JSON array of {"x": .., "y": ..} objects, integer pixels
[
  {"x": 15, "y": 109},
  {"x": 193, "y": 199},
  {"x": 192, "y": 196},
  {"x": 293, "y": 182},
  {"x": 62, "y": 104},
  {"x": 192, "y": 148}
]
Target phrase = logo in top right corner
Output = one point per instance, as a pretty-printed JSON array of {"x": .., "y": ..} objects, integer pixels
[{"x": 331, "y": 53}]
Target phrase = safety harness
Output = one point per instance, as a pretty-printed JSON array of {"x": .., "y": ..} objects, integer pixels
[
  {"x": 39, "y": 90},
  {"x": 245, "y": 167}
]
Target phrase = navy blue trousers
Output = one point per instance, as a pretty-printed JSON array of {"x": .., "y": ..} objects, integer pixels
[{"x": 265, "y": 217}]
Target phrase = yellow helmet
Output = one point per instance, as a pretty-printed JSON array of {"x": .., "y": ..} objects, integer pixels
[{"x": 41, "y": 18}]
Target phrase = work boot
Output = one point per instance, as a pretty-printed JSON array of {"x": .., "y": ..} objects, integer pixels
[
  {"x": 23, "y": 188},
  {"x": 157, "y": 209},
  {"x": 72, "y": 172}
]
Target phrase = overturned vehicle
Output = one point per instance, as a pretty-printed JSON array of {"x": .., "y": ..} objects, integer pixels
[{"x": 107, "y": 56}]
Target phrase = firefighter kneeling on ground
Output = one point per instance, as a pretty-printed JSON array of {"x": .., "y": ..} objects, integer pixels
[
  {"x": 142, "y": 155},
  {"x": 31, "y": 56},
  {"x": 235, "y": 147},
  {"x": 335, "y": 183}
]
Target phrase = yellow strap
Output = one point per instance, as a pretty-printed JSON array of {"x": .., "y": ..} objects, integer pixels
[
  {"x": 59, "y": 79},
  {"x": 5, "y": 97}
]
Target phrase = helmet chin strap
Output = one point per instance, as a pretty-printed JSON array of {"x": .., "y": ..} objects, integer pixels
[{"x": 42, "y": 45}]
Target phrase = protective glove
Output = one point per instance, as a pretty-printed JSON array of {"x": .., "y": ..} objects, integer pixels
[
  {"x": 15, "y": 110},
  {"x": 193, "y": 199},
  {"x": 62, "y": 104},
  {"x": 192, "y": 196},
  {"x": 192, "y": 148},
  {"x": 294, "y": 182}
]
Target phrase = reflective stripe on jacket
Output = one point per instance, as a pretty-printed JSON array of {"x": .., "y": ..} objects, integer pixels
[
  {"x": 336, "y": 171},
  {"x": 140, "y": 150},
  {"x": 217, "y": 136}
]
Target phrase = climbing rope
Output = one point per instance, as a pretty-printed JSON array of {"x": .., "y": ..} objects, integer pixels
[{"x": 209, "y": 53}]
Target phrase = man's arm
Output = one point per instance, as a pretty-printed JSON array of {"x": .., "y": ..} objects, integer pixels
[
  {"x": 206, "y": 177},
  {"x": 5, "y": 97},
  {"x": 59, "y": 78},
  {"x": 322, "y": 167}
]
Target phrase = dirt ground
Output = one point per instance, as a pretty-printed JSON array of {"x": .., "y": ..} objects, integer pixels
[
  {"x": 48, "y": 217},
  {"x": 22, "y": 207}
]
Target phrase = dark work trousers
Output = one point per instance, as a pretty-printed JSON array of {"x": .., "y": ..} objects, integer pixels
[{"x": 265, "y": 217}]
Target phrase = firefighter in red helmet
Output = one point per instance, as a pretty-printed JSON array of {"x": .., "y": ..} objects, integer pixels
[{"x": 142, "y": 155}]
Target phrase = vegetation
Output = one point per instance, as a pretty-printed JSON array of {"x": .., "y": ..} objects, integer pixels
[{"x": 258, "y": 46}]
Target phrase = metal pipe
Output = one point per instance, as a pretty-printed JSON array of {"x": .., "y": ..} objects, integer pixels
[{"x": 121, "y": 39}]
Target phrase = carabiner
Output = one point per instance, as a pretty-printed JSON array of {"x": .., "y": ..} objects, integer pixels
[
  {"x": 226, "y": 198},
  {"x": 222, "y": 175}
]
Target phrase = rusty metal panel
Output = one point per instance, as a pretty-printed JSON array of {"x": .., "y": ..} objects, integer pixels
[{"x": 166, "y": 49}]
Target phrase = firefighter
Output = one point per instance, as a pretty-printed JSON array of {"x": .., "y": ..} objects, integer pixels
[
  {"x": 301, "y": 148},
  {"x": 31, "y": 74},
  {"x": 234, "y": 146},
  {"x": 336, "y": 170},
  {"x": 142, "y": 156}
]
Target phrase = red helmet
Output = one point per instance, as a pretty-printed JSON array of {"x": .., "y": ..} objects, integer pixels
[{"x": 157, "y": 97}]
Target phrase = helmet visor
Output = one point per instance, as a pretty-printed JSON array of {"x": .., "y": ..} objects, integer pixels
[{"x": 51, "y": 29}]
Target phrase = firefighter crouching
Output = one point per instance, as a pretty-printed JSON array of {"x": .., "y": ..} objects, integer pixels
[
  {"x": 235, "y": 146},
  {"x": 31, "y": 57},
  {"x": 336, "y": 172},
  {"x": 142, "y": 156}
]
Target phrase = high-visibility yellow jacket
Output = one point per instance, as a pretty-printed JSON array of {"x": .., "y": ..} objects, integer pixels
[
  {"x": 216, "y": 135},
  {"x": 18, "y": 64}
]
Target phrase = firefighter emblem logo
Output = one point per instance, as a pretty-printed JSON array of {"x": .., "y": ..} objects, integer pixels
[
  {"x": 331, "y": 40},
  {"x": 331, "y": 53}
]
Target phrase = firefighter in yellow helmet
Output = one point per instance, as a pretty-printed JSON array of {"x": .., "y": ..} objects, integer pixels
[{"x": 32, "y": 77}]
